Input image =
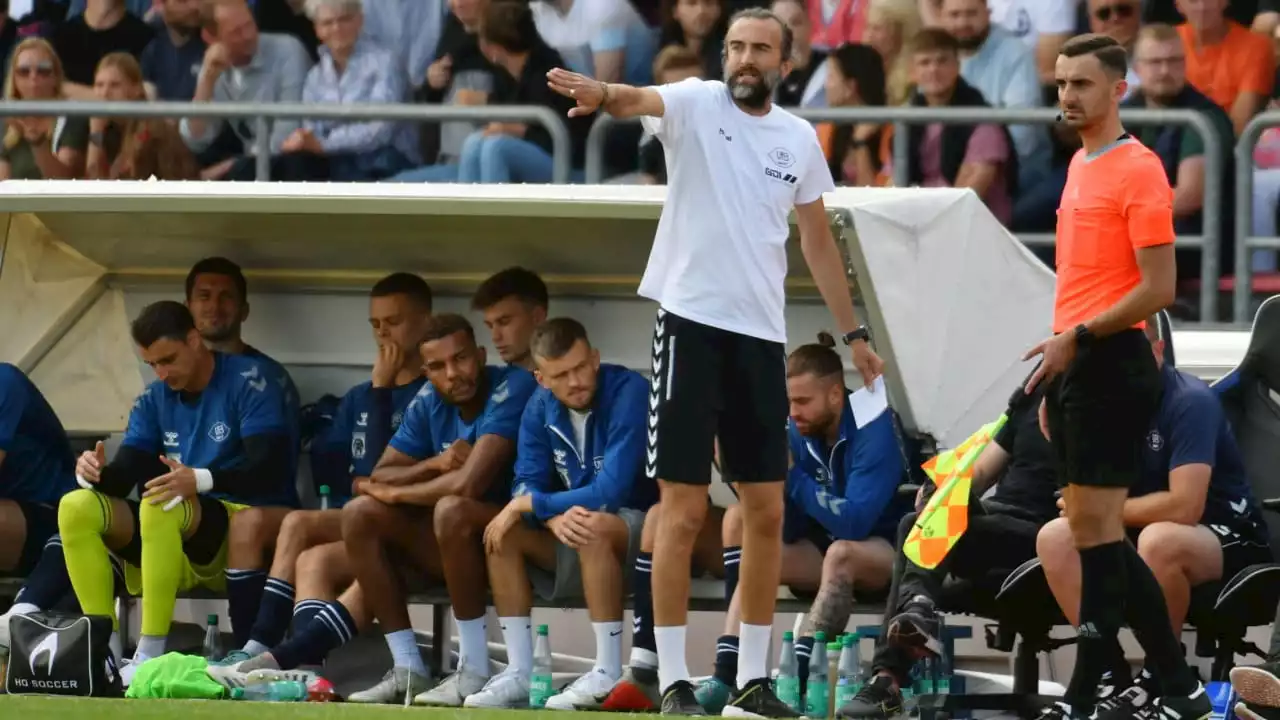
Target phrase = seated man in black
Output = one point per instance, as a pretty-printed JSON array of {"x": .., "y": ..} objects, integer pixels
[{"x": 1001, "y": 535}]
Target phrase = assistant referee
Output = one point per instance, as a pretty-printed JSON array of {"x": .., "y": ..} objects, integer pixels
[{"x": 1115, "y": 269}]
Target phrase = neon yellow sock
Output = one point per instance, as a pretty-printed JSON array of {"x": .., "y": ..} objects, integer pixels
[
  {"x": 83, "y": 518},
  {"x": 162, "y": 563}
]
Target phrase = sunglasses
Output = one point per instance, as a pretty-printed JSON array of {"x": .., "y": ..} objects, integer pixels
[
  {"x": 1121, "y": 11},
  {"x": 43, "y": 69}
]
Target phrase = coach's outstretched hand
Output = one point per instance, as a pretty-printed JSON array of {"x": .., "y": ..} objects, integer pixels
[{"x": 588, "y": 93}]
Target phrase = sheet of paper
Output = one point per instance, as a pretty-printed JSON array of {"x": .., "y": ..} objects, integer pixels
[{"x": 867, "y": 404}]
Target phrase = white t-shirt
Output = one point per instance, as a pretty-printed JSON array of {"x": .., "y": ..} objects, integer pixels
[
  {"x": 720, "y": 256},
  {"x": 589, "y": 27},
  {"x": 1027, "y": 20}
]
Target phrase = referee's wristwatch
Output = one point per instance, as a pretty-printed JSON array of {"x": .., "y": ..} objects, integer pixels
[
  {"x": 1084, "y": 336},
  {"x": 859, "y": 333}
]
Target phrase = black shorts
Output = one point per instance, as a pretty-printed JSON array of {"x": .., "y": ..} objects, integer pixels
[
  {"x": 203, "y": 545},
  {"x": 42, "y": 524},
  {"x": 1240, "y": 549},
  {"x": 1100, "y": 410},
  {"x": 710, "y": 383}
]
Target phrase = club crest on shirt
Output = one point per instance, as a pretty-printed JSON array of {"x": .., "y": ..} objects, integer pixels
[
  {"x": 782, "y": 158},
  {"x": 357, "y": 445},
  {"x": 219, "y": 432},
  {"x": 1154, "y": 441}
]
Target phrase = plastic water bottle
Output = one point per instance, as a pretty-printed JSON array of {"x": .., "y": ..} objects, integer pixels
[
  {"x": 928, "y": 670},
  {"x": 943, "y": 682},
  {"x": 212, "y": 649},
  {"x": 279, "y": 691},
  {"x": 817, "y": 695},
  {"x": 849, "y": 671},
  {"x": 325, "y": 502},
  {"x": 540, "y": 681},
  {"x": 787, "y": 684}
]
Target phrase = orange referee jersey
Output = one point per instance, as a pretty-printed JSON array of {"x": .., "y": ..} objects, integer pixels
[{"x": 1115, "y": 201}]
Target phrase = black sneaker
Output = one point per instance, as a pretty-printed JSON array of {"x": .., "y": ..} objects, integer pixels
[
  {"x": 1055, "y": 711},
  {"x": 1258, "y": 685},
  {"x": 916, "y": 626},
  {"x": 879, "y": 699},
  {"x": 1251, "y": 711},
  {"x": 680, "y": 700},
  {"x": 756, "y": 700},
  {"x": 1130, "y": 701},
  {"x": 1195, "y": 706}
]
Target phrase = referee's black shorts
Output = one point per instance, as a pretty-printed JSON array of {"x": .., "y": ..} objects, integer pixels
[
  {"x": 1100, "y": 411},
  {"x": 710, "y": 383}
]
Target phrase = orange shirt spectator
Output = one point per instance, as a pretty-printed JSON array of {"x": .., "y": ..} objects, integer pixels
[{"x": 1240, "y": 67}]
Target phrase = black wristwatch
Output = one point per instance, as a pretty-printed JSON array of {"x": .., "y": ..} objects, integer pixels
[
  {"x": 859, "y": 333},
  {"x": 1084, "y": 338}
]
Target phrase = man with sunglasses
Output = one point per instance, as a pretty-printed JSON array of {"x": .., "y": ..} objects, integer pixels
[{"x": 1118, "y": 20}]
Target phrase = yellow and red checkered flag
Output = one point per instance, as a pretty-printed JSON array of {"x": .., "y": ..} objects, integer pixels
[{"x": 946, "y": 516}]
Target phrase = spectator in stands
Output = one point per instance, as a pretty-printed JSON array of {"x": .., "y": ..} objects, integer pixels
[
  {"x": 37, "y": 468},
  {"x": 1161, "y": 64},
  {"x": 519, "y": 152},
  {"x": 221, "y": 453},
  {"x": 580, "y": 477},
  {"x": 1192, "y": 514},
  {"x": 242, "y": 65},
  {"x": 836, "y": 23},
  {"x": 1268, "y": 17},
  {"x": 129, "y": 148},
  {"x": 1000, "y": 537},
  {"x": 350, "y": 71},
  {"x": 106, "y": 26},
  {"x": 1043, "y": 25},
  {"x": 840, "y": 517},
  {"x": 420, "y": 502},
  {"x": 1225, "y": 61},
  {"x": 1118, "y": 20},
  {"x": 856, "y": 153},
  {"x": 172, "y": 61},
  {"x": 604, "y": 39},
  {"x": 1003, "y": 70},
  {"x": 40, "y": 148},
  {"x": 891, "y": 24},
  {"x": 698, "y": 26},
  {"x": 673, "y": 64},
  {"x": 309, "y": 549},
  {"x": 977, "y": 157},
  {"x": 288, "y": 17},
  {"x": 460, "y": 75},
  {"x": 1266, "y": 188},
  {"x": 514, "y": 302},
  {"x": 412, "y": 29},
  {"x": 803, "y": 86},
  {"x": 138, "y": 8}
]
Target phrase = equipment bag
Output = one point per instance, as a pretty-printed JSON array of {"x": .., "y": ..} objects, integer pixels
[{"x": 61, "y": 654}]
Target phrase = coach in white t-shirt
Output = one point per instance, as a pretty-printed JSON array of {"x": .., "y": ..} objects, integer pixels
[{"x": 736, "y": 166}]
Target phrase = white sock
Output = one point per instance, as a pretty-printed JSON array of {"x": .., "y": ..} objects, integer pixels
[
  {"x": 609, "y": 647},
  {"x": 517, "y": 633},
  {"x": 473, "y": 646},
  {"x": 753, "y": 652},
  {"x": 116, "y": 647},
  {"x": 21, "y": 609},
  {"x": 150, "y": 646},
  {"x": 404, "y": 650},
  {"x": 643, "y": 658},
  {"x": 672, "y": 666},
  {"x": 253, "y": 648}
]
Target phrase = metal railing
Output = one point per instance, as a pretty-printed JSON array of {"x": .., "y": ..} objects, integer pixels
[
  {"x": 263, "y": 113},
  {"x": 1215, "y": 152},
  {"x": 1245, "y": 240}
]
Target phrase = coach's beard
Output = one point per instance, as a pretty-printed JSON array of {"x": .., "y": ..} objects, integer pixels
[{"x": 755, "y": 95}]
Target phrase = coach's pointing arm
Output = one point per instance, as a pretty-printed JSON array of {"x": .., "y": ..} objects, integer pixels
[{"x": 621, "y": 101}]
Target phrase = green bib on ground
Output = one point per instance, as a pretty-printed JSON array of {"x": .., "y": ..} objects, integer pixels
[{"x": 177, "y": 677}]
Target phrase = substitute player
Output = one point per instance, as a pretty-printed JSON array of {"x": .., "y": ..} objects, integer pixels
[
  {"x": 1115, "y": 269},
  {"x": 737, "y": 165}
]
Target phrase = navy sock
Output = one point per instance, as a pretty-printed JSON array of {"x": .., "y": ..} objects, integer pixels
[
  {"x": 642, "y": 604},
  {"x": 244, "y": 595},
  {"x": 48, "y": 584},
  {"x": 329, "y": 629},
  {"x": 273, "y": 613},
  {"x": 304, "y": 612},
  {"x": 732, "y": 558},
  {"x": 727, "y": 660},
  {"x": 804, "y": 648}
]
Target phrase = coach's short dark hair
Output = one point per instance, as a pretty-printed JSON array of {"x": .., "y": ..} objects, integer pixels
[
  {"x": 513, "y": 282},
  {"x": 218, "y": 266},
  {"x": 934, "y": 40},
  {"x": 818, "y": 359},
  {"x": 757, "y": 13},
  {"x": 164, "y": 320},
  {"x": 1110, "y": 53},
  {"x": 446, "y": 324},
  {"x": 407, "y": 284},
  {"x": 509, "y": 25},
  {"x": 555, "y": 337}
]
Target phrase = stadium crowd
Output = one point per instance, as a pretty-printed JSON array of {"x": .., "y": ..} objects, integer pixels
[
  {"x": 1210, "y": 56},
  {"x": 534, "y": 468}
]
